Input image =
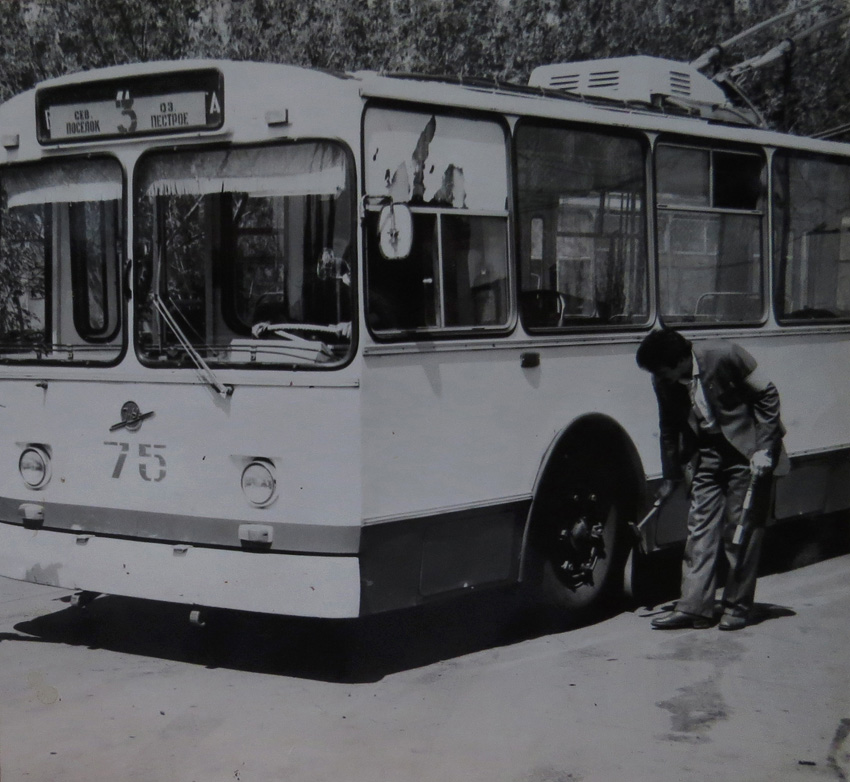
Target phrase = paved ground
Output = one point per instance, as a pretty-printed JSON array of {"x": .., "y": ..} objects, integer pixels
[{"x": 474, "y": 692}]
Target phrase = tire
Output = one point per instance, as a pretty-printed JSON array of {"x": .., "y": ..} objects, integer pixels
[
  {"x": 636, "y": 581},
  {"x": 579, "y": 542}
]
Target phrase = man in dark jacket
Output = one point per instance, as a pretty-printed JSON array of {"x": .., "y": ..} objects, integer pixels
[{"x": 720, "y": 428}]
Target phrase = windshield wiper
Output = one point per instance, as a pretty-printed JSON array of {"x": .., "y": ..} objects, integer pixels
[{"x": 204, "y": 371}]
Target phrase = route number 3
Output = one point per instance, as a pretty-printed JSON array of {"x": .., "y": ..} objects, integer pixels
[{"x": 150, "y": 460}]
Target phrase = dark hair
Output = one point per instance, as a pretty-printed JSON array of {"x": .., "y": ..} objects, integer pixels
[{"x": 662, "y": 348}]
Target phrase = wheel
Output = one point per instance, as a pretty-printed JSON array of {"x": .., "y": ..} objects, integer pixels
[
  {"x": 636, "y": 577},
  {"x": 579, "y": 543}
]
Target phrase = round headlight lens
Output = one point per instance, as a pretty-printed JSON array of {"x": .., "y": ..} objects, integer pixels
[
  {"x": 34, "y": 466},
  {"x": 258, "y": 484}
]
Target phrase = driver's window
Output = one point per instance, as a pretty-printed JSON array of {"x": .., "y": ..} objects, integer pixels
[{"x": 447, "y": 176}]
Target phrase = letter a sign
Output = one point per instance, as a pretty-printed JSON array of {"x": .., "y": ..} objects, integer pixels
[{"x": 215, "y": 107}]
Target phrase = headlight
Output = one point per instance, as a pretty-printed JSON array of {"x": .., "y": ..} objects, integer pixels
[
  {"x": 34, "y": 466},
  {"x": 258, "y": 483}
]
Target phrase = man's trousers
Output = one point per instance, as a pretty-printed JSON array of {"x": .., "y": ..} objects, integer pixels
[{"x": 721, "y": 480}]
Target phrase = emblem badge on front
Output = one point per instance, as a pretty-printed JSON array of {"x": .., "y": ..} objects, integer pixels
[{"x": 131, "y": 417}]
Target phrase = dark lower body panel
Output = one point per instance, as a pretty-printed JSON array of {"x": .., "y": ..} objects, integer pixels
[
  {"x": 818, "y": 484},
  {"x": 412, "y": 561}
]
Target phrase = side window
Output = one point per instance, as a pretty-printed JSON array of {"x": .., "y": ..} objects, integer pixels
[
  {"x": 811, "y": 238},
  {"x": 582, "y": 227},
  {"x": 60, "y": 252},
  {"x": 451, "y": 174},
  {"x": 710, "y": 219}
]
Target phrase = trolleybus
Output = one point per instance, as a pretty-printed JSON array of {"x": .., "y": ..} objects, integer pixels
[{"x": 295, "y": 342}]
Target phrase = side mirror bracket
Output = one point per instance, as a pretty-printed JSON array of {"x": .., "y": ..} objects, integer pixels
[{"x": 395, "y": 229}]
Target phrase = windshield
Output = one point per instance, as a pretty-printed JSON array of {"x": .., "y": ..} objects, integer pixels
[
  {"x": 244, "y": 256},
  {"x": 60, "y": 255}
]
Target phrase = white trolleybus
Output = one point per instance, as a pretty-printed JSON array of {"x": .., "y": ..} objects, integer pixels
[{"x": 286, "y": 341}]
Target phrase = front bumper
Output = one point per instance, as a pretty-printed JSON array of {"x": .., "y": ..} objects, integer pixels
[{"x": 261, "y": 581}]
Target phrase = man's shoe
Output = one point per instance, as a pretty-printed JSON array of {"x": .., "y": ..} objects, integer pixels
[
  {"x": 677, "y": 620},
  {"x": 732, "y": 622}
]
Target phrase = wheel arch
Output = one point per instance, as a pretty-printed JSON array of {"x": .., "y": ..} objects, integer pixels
[{"x": 590, "y": 436}]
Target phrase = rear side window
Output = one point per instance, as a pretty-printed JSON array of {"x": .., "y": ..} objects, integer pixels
[
  {"x": 811, "y": 238},
  {"x": 582, "y": 228},
  {"x": 710, "y": 206}
]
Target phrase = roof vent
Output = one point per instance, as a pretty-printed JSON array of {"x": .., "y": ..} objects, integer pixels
[{"x": 632, "y": 79}]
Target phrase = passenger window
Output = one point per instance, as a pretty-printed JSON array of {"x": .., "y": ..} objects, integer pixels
[
  {"x": 738, "y": 181},
  {"x": 812, "y": 238},
  {"x": 682, "y": 176},
  {"x": 710, "y": 226},
  {"x": 451, "y": 173},
  {"x": 582, "y": 228}
]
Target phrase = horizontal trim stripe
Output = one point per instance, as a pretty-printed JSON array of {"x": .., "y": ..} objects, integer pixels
[
  {"x": 595, "y": 335},
  {"x": 170, "y": 528},
  {"x": 175, "y": 528},
  {"x": 448, "y": 510},
  {"x": 834, "y": 452},
  {"x": 183, "y": 377}
]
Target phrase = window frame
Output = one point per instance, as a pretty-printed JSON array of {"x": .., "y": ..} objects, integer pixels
[
  {"x": 780, "y": 264},
  {"x": 226, "y": 273},
  {"x": 371, "y": 204},
  {"x": 82, "y": 288},
  {"x": 60, "y": 354},
  {"x": 604, "y": 131},
  {"x": 713, "y": 146}
]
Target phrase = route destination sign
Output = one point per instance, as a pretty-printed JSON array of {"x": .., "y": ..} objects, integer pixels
[{"x": 137, "y": 106}]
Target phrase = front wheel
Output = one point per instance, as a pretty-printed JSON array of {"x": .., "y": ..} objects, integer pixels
[{"x": 580, "y": 545}]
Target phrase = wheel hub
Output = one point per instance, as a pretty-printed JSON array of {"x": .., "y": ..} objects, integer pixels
[{"x": 580, "y": 545}]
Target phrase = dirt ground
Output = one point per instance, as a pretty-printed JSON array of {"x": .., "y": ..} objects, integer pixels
[{"x": 473, "y": 691}]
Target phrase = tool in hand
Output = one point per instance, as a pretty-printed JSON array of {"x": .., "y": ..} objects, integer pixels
[
  {"x": 637, "y": 529},
  {"x": 743, "y": 530}
]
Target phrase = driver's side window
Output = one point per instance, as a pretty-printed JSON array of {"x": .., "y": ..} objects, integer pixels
[{"x": 447, "y": 176}]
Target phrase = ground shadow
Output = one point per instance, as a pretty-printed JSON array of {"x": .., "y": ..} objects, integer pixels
[
  {"x": 761, "y": 612},
  {"x": 764, "y": 612},
  {"x": 787, "y": 546},
  {"x": 17, "y": 637},
  {"x": 369, "y": 649},
  {"x": 329, "y": 650}
]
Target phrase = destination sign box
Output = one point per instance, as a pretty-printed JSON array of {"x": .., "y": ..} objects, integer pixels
[{"x": 136, "y": 106}]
